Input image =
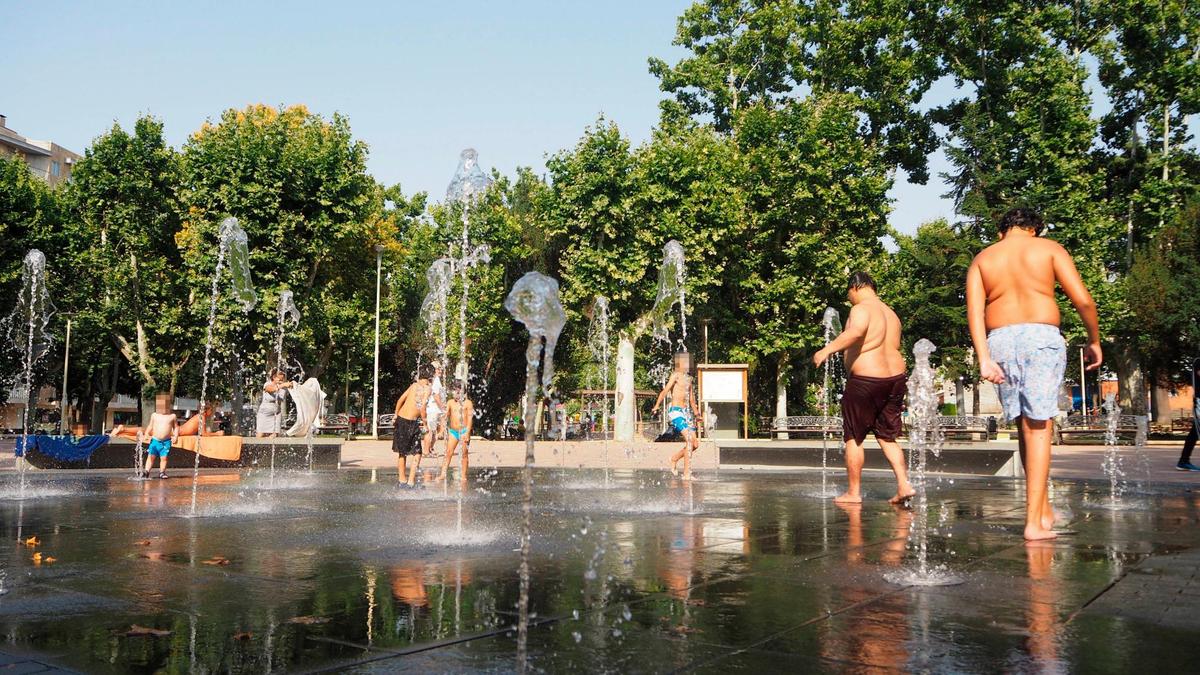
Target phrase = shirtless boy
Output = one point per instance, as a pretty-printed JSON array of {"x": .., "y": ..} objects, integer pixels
[
  {"x": 406, "y": 434},
  {"x": 460, "y": 420},
  {"x": 682, "y": 412},
  {"x": 163, "y": 430},
  {"x": 875, "y": 388},
  {"x": 1014, "y": 318}
]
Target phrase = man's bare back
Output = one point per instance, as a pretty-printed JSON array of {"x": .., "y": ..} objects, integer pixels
[
  {"x": 877, "y": 354},
  {"x": 1019, "y": 275},
  {"x": 411, "y": 403}
]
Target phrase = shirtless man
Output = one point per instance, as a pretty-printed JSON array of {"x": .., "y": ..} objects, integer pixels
[
  {"x": 1013, "y": 318},
  {"x": 875, "y": 388},
  {"x": 682, "y": 412},
  {"x": 460, "y": 420},
  {"x": 406, "y": 434},
  {"x": 164, "y": 431}
]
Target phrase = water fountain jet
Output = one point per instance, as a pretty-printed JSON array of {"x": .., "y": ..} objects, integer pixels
[
  {"x": 232, "y": 245},
  {"x": 534, "y": 302},
  {"x": 925, "y": 437},
  {"x": 27, "y": 329}
]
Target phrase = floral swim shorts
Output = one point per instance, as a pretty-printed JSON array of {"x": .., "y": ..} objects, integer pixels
[{"x": 1033, "y": 357}]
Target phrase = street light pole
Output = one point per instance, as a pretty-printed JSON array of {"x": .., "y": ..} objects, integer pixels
[
  {"x": 1082, "y": 383},
  {"x": 375, "y": 384},
  {"x": 63, "y": 426}
]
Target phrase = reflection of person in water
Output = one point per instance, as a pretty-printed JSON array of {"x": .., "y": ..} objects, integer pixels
[
  {"x": 408, "y": 584},
  {"x": 881, "y": 640},
  {"x": 1043, "y": 608}
]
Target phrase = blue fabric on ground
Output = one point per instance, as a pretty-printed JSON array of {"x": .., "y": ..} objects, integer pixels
[{"x": 64, "y": 448}]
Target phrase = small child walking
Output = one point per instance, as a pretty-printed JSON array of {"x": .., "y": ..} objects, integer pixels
[
  {"x": 164, "y": 431},
  {"x": 682, "y": 412}
]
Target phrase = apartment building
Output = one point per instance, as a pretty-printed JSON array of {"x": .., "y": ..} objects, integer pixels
[{"x": 46, "y": 159}]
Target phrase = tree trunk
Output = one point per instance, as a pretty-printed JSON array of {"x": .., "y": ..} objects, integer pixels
[
  {"x": 323, "y": 360},
  {"x": 975, "y": 398},
  {"x": 625, "y": 403},
  {"x": 1131, "y": 385},
  {"x": 781, "y": 393},
  {"x": 960, "y": 397},
  {"x": 1161, "y": 401}
]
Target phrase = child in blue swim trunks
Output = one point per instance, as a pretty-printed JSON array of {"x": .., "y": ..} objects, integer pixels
[
  {"x": 163, "y": 431},
  {"x": 460, "y": 420},
  {"x": 682, "y": 412}
]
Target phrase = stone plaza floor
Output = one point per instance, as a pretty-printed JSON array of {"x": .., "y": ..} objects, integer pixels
[{"x": 734, "y": 572}]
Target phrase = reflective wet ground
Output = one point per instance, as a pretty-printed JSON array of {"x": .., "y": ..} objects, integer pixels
[{"x": 738, "y": 572}]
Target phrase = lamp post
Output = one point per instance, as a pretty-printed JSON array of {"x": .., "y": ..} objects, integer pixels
[
  {"x": 63, "y": 424},
  {"x": 375, "y": 383},
  {"x": 1082, "y": 383}
]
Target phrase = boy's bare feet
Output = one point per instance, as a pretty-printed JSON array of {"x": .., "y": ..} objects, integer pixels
[
  {"x": 687, "y": 475},
  {"x": 1048, "y": 521},
  {"x": 675, "y": 470},
  {"x": 1038, "y": 534},
  {"x": 903, "y": 494},
  {"x": 847, "y": 498}
]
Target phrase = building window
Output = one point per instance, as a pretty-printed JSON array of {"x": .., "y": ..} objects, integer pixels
[{"x": 55, "y": 170}]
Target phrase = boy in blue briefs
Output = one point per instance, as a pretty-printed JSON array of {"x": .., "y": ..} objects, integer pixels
[
  {"x": 682, "y": 412},
  {"x": 460, "y": 420},
  {"x": 163, "y": 431}
]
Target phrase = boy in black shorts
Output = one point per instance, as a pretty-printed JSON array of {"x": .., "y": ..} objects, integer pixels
[{"x": 406, "y": 435}]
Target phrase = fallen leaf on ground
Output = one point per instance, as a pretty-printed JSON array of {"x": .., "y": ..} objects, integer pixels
[
  {"x": 216, "y": 560},
  {"x": 144, "y": 542},
  {"x": 49, "y": 560},
  {"x": 308, "y": 620},
  {"x": 37, "y": 558},
  {"x": 142, "y": 631},
  {"x": 33, "y": 541},
  {"x": 243, "y": 636},
  {"x": 152, "y": 555}
]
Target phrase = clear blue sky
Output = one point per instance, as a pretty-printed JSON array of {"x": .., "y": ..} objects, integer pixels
[{"x": 418, "y": 81}]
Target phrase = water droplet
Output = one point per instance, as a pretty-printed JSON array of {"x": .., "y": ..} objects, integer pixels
[
  {"x": 626, "y": 614},
  {"x": 576, "y": 636},
  {"x": 575, "y": 614}
]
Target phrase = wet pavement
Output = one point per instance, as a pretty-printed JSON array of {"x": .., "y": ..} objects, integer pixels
[{"x": 736, "y": 572}]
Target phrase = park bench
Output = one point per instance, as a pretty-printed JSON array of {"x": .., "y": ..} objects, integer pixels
[
  {"x": 1094, "y": 427},
  {"x": 974, "y": 427},
  {"x": 336, "y": 423},
  {"x": 387, "y": 423},
  {"x": 803, "y": 424}
]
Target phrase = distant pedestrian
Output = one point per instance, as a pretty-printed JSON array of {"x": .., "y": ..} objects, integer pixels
[{"x": 1185, "y": 459}]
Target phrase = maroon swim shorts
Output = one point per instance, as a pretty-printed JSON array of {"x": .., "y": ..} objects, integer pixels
[{"x": 873, "y": 404}]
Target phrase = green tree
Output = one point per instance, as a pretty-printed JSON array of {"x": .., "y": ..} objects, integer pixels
[
  {"x": 31, "y": 215},
  {"x": 1164, "y": 293},
  {"x": 124, "y": 198},
  {"x": 765, "y": 52},
  {"x": 299, "y": 187},
  {"x": 816, "y": 194},
  {"x": 923, "y": 281},
  {"x": 613, "y": 210}
]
